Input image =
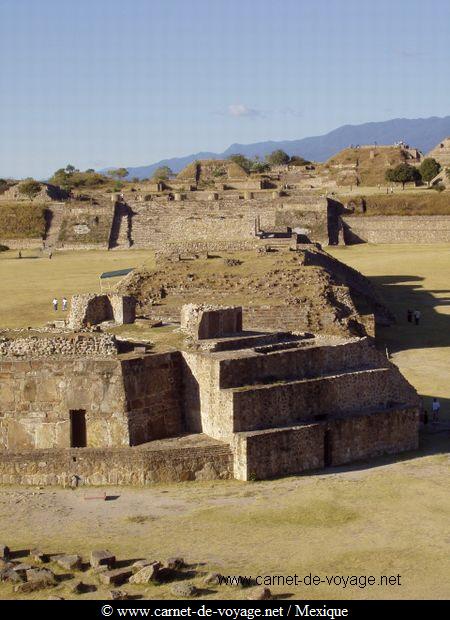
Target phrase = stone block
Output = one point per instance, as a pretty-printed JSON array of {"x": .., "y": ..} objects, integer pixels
[
  {"x": 5, "y": 553},
  {"x": 116, "y": 576},
  {"x": 36, "y": 555},
  {"x": 68, "y": 562},
  {"x": 203, "y": 322},
  {"x": 41, "y": 576},
  {"x": 184, "y": 590},
  {"x": 102, "y": 557},
  {"x": 147, "y": 574}
]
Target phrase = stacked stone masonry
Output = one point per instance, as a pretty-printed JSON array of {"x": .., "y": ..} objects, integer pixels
[
  {"x": 397, "y": 229},
  {"x": 258, "y": 405}
]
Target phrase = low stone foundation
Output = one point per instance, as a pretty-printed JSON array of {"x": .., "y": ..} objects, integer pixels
[{"x": 173, "y": 460}]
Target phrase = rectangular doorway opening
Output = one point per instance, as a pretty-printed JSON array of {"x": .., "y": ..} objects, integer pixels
[
  {"x": 78, "y": 437},
  {"x": 327, "y": 449}
]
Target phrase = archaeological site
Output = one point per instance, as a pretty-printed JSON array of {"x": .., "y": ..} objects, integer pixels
[{"x": 270, "y": 367}]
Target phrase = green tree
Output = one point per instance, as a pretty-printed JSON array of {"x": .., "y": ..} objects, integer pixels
[
  {"x": 71, "y": 169},
  {"x": 259, "y": 166},
  {"x": 118, "y": 173},
  {"x": 429, "y": 168},
  {"x": 277, "y": 158},
  {"x": 29, "y": 188},
  {"x": 242, "y": 161},
  {"x": 162, "y": 173},
  {"x": 403, "y": 173},
  {"x": 296, "y": 160}
]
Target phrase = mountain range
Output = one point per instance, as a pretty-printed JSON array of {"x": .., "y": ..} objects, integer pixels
[{"x": 421, "y": 133}]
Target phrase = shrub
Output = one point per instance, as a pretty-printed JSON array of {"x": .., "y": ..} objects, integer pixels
[{"x": 29, "y": 188}]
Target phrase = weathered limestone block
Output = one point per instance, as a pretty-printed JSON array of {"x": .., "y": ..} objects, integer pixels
[
  {"x": 69, "y": 562},
  {"x": 202, "y": 321},
  {"x": 147, "y": 574},
  {"x": 116, "y": 576},
  {"x": 102, "y": 557}
]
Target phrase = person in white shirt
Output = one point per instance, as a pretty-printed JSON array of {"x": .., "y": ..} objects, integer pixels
[
  {"x": 55, "y": 304},
  {"x": 435, "y": 407},
  {"x": 64, "y": 304}
]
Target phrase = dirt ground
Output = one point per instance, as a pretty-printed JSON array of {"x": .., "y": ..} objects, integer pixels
[
  {"x": 388, "y": 517},
  {"x": 382, "y": 519}
]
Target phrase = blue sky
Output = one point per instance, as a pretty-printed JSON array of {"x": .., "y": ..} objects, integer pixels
[{"x": 128, "y": 82}]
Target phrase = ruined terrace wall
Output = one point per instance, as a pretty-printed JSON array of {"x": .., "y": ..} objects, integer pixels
[
  {"x": 277, "y": 404},
  {"x": 287, "y": 451},
  {"x": 397, "y": 229},
  {"x": 301, "y": 363},
  {"x": 367, "y": 436},
  {"x": 127, "y": 466},
  {"x": 218, "y": 222}
]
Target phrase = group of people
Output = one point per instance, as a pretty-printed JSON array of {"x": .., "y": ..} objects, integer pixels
[
  {"x": 413, "y": 315},
  {"x": 64, "y": 304}
]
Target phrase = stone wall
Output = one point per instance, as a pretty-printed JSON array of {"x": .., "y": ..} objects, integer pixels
[
  {"x": 397, "y": 229},
  {"x": 278, "y": 404},
  {"x": 228, "y": 220},
  {"x": 203, "y": 321},
  {"x": 286, "y": 451},
  {"x": 126, "y": 400},
  {"x": 302, "y": 363},
  {"x": 367, "y": 436},
  {"x": 36, "y": 398},
  {"x": 92, "y": 309},
  {"x": 83, "y": 345},
  {"x": 278, "y": 452},
  {"x": 127, "y": 466},
  {"x": 22, "y": 244},
  {"x": 153, "y": 389},
  {"x": 86, "y": 226}
]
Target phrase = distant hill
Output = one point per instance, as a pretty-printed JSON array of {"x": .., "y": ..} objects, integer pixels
[{"x": 421, "y": 133}]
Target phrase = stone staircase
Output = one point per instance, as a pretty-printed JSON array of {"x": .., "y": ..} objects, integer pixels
[
  {"x": 51, "y": 240},
  {"x": 120, "y": 236}
]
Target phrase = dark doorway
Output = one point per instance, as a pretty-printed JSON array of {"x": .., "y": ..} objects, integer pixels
[
  {"x": 327, "y": 449},
  {"x": 78, "y": 428}
]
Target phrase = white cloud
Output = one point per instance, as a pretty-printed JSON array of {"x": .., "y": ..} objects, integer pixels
[{"x": 239, "y": 109}]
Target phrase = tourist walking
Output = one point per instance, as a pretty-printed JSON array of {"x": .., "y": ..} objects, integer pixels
[
  {"x": 435, "y": 408},
  {"x": 50, "y": 254},
  {"x": 417, "y": 315},
  {"x": 64, "y": 304},
  {"x": 55, "y": 304}
]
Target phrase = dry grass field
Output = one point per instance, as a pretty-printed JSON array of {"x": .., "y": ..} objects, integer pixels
[
  {"x": 28, "y": 285},
  {"x": 388, "y": 517}
]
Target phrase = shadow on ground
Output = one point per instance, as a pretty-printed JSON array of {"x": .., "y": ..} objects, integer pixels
[{"x": 406, "y": 292}]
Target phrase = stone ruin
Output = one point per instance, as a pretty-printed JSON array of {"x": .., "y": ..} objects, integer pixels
[
  {"x": 92, "y": 309},
  {"x": 229, "y": 404},
  {"x": 202, "y": 321}
]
